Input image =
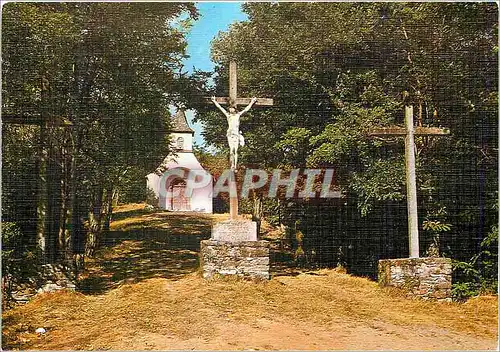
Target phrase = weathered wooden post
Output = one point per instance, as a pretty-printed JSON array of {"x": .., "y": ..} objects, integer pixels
[
  {"x": 411, "y": 183},
  {"x": 423, "y": 277}
]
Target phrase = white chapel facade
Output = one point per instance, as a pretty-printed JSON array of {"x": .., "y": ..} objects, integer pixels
[{"x": 165, "y": 183}]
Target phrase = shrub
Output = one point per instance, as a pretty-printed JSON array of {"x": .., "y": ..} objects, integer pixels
[
  {"x": 18, "y": 263},
  {"x": 481, "y": 272}
]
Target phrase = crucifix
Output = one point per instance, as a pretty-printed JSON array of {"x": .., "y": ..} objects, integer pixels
[
  {"x": 234, "y": 136},
  {"x": 409, "y": 131}
]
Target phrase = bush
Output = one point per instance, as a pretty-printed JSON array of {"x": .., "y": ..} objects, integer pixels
[
  {"x": 18, "y": 263},
  {"x": 481, "y": 272},
  {"x": 151, "y": 198}
]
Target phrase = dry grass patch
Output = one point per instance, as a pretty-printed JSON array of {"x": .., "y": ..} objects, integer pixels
[
  {"x": 194, "y": 308},
  {"x": 145, "y": 292},
  {"x": 134, "y": 216}
]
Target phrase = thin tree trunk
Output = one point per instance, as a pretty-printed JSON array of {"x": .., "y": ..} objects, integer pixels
[
  {"x": 116, "y": 195},
  {"x": 54, "y": 197},
  {"x": 61, "y": 237},
  {"x": 42, "y": 196},
  {"x": 257, "y": 209},
  {"x": 77, "y": 233},
  {"x": 64, "y": 234},
  {"x": 95, "y": 218},
  {"x": 108, "y": 209},
  {"x": 43, "y": 226}
]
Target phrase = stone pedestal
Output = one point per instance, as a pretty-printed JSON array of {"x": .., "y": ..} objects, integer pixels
[
  {"x": 427, "y": 278},
  {"x": 235, "y": 231},
  {"x": 234, "y": 250}
]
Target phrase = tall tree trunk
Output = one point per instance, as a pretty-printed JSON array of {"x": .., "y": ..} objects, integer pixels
[
  {"x": 47, "y": 199},
  {"x": 76, "y": 242},
  {"x": 42, "y": 194},
  {"x": 54, "y": 200},
  {"x": 108, "y": 209},
  {"x": 257, "y": 209},
  {"x": 64, "y": 233},
  {"x": 77, "y": 232},
  {"x": 95, "y": 220}
]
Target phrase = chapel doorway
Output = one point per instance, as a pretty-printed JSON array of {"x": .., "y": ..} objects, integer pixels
[{"x": 178, "y": 201}]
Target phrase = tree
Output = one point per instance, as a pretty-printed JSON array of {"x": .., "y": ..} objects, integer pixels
[
  {"x": 109, "y": 71},
  {"x": 336, "y": 70}
]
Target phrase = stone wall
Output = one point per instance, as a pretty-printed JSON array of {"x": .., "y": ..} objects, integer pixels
[
  {"x": 56, "y": 277},
  {"x": 428, "y": 278},
  {"x": 49, "y": 278},
  {"x": 245, "y": 258}
]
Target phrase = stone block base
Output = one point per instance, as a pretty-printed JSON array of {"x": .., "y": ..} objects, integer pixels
[
  {"x": 235, "y": 231},
  {"x": 428, "y": 278},
  {"x": 244, "y": 258}
]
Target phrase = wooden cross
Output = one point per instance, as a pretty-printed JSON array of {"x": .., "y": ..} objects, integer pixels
[
  {"x": 409, "y": 131},
  {"x": 234, "y": 101}
]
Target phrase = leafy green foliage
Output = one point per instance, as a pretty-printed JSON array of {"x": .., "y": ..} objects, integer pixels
[
  {"x": 111, "y": 71},
  {"x": 381, "y": 182},
  {"x": 336, "y": 71},
  {"x": 18, "y": 262},
  {"x": 19, "y": 165},
  {"x": 338, "y": 78},
  {"x": 435, "y": 226},
  {"x": 481, "y": 271}
]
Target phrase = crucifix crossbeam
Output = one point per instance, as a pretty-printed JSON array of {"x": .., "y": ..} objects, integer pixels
[
  {"x": 233, "y": 99},
  {"x": 397, "y": 131},
  {"x": 245, "y": 101},
  {"x": 409, "y": 131}
]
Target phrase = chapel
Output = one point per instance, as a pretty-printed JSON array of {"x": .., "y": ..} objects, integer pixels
[{"x": 167, "y": 186}]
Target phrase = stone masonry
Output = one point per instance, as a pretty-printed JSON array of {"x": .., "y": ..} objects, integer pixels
[
  {"x": 56, "y": 277},
  {"x": 49, "y": 278},
  {"x": 427, "y": 278},
  {"x": 244, "y": 258},
  {"x": 234, "y": 249}
]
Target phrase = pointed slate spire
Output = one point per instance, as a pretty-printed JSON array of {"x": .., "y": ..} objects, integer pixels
[{"x": 180, "y": 124}]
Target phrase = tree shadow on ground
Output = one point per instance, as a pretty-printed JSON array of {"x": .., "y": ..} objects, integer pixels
[
  {"x": 130, "y": 213},
  {"x": 150, "y": 245},
  {"x": 282, "y": 262},
  {"x": 143, "y": 245}
]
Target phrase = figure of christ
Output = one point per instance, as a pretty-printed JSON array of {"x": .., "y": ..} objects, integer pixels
[{"x": 234, "y": 136}]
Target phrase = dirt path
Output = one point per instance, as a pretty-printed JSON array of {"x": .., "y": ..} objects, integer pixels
[
  {"x": 326, "y": 311},
  {"x": 143, "y": 292}
]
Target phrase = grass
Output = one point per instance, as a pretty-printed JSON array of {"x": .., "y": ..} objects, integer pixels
[
  {"x": 190, "y": 307},
  {"x": 151, "y": 296},
  {"x": 143, "y": 245}
]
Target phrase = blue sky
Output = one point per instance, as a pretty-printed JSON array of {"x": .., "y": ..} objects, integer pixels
[{"x": 214, "y": 17}]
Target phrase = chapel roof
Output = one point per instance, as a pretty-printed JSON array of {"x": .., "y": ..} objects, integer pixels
[{"x": 179, "y": 122}]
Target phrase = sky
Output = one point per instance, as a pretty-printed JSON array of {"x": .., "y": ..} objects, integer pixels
[{"x": 214, "y": 17}]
